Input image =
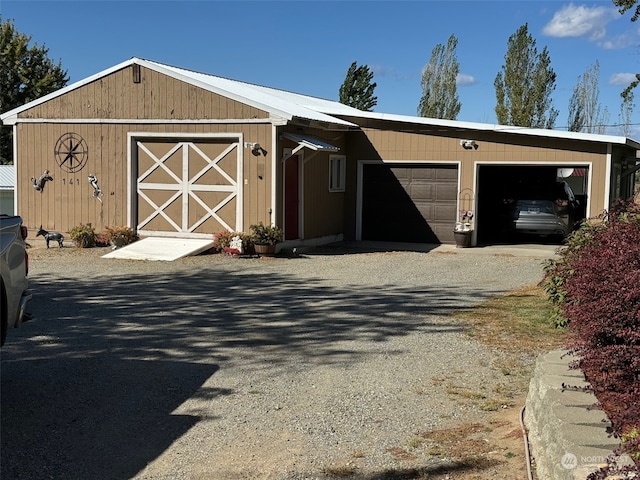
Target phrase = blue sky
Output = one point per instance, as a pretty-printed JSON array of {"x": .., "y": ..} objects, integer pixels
[{"x": 307, "y": 46}]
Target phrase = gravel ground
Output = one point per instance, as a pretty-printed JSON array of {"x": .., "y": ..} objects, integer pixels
[{"x": 210, "y": 367}]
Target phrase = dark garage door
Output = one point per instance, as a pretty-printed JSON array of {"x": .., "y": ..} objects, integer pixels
[{"x": 409, "y": 203}]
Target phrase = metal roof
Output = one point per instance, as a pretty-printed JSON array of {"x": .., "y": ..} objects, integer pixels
[
  {"x": 540, "y": 132},
  {"x": 311, "y": 142},
  {"x": 281, "y": 105},
  {"x": 284, "y": 106},
  {"x": 7, "y": 177}
]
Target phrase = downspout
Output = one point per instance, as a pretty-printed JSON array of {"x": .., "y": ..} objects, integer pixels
[
  {"x": 15, "y": 168},
  {"x": 273, "y": 211},
  {"x": 607, "y": 186}
]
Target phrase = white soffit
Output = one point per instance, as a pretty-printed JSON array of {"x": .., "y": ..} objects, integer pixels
[{"x": 311, "y": 142}]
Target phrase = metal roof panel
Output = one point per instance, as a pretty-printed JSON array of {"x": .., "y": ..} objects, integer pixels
[{"x": 7, "y": 177}]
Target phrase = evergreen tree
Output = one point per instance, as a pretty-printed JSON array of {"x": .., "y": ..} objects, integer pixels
[
  {"x": 439, "y": 89},
  {"x": 357, "y": 88},
  {"x": 524, "y": 86},
  {"x": 624, "y": 7},
  {"x": 26, "y": 73}
]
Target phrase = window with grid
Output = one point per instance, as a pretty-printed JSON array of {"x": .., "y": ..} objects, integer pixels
[{"x": 337, "y": 173}]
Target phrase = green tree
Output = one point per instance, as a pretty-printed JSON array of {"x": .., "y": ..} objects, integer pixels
[
  {"x": 524, "y": 86},
  {"x": 626, "y": 108},
  {"x": 585, "y": 112},
  {"x": 26, "y": 73},
  {"x": 439, "y": 89},
  {"x": 623, "y": 7},
  {"x": 357, "y": 88}
]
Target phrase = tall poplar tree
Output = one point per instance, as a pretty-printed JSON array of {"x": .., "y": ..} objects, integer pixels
[
  {"x": 626, "y": 109},
  {"x": 357, "y": 88},
  {"x": 524, "y": 86},
  {"x": 439, "y": 89},
  {"x": 585, "y": 112},
  {"x": 26, "y": 73}
]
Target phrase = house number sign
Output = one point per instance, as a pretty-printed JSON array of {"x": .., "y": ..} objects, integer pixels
[{"x": 71, "y": 152}]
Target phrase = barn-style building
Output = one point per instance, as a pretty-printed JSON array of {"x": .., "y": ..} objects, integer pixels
[{"x": 173, "y": 152}]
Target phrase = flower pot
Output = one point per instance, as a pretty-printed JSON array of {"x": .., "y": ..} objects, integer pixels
[
  {"x": 265, "y": 250},
  {"x": 462, "y": 238}
]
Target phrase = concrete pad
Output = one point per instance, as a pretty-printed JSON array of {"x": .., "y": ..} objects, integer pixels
[{"x": 161, "y": 248}]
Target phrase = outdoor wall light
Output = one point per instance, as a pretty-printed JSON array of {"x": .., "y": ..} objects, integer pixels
[
  {"x": 256, "y": 149},
  {"x": 469, "y": 144}
]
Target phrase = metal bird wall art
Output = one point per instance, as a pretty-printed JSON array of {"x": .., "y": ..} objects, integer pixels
[{"x": 39, "y": 183}]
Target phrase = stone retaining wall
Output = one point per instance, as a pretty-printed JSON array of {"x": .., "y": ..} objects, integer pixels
[{"x": 568, "y": 440}]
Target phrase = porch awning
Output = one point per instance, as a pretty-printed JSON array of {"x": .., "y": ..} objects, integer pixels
[{"x": 310, "y": 142}]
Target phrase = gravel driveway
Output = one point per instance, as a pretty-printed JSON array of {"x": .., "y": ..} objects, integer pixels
[{"x": 212, "y": 367}]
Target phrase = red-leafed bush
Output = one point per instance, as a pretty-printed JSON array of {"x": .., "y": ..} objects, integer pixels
[{"x": 596, "y": 286}]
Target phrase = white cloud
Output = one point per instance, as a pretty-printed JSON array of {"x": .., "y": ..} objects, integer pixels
[
  {"x": 579, "y": 20},
  {"x": 622, "y": 79},
  {"x": 463, "y": 79},
  {"x": 618, "y": 42},
  {"x": 382, "y": 70}
]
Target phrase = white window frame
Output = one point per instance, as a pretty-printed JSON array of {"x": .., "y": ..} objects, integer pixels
[{"x": 337, "y": 173}]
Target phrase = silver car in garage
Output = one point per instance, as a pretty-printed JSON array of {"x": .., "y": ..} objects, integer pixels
[{"x": 542, "y": 217}]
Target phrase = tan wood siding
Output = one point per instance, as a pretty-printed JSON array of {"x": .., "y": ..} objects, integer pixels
[
  {"x": 323, "y": 210},
  {"x": 492, "y": 148},
  {"x": 157, "y": 96},
  {"x": 68, "y": 200}
]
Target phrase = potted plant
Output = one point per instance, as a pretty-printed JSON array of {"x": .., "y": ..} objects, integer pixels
[
  {"x": 463, "y": 229},
  {"x": 265, "y": 238}
]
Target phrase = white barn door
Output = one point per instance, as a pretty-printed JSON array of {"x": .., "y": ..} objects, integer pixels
[{"x": 188, "y": 186}]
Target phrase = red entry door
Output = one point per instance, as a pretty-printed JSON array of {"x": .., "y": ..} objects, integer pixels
[{"x": 291, "y": 198}]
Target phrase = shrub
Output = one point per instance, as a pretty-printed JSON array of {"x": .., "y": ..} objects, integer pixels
[
  {"x": 83, "y": 235},
  {"x": 102, "y": 239},
  {"x": 222, "y": 240},
  {"x": 558, "y": 270},
  {"x": 120, "y": 236},
  {"x": 596, "y": 287}
]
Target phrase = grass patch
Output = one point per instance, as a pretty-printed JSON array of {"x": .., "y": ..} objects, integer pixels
[
  {"x": 466, "y": 441},
  {"x": 518, "y": 324},
  {"x": 519, "y": 321}
]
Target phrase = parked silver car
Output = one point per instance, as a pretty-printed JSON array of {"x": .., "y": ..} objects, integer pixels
[{"x": 542, "y": 217}]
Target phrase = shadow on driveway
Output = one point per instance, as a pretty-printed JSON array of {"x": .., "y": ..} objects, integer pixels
[
  {"x": 91, "y": 393},
  {"x": 96, "y": 417}
]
